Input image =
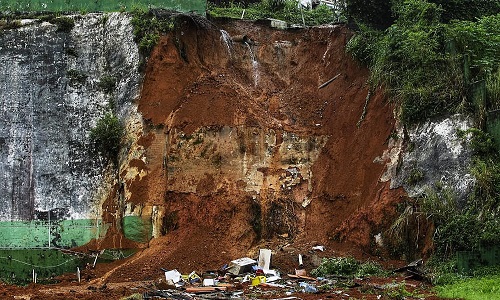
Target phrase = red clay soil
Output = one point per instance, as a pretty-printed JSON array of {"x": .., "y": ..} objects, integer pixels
[{"x": 193, "y": 81}]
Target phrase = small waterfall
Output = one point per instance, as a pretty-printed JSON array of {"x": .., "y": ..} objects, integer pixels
[
  {"x": 255, "y": 65},
  {"x": 226, "y": 38}
]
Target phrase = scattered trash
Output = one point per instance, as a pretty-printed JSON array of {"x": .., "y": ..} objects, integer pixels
[
  {"x": 264, "y": 259},
  {"x": 208, "y": 282},
  {"x": 320, "y": 248},
  {"x": 232, "y": 281},
  {"x": 241, "y": 265},
  {"x": 308, "y": 288},
  {"x": 173, "y": 275},
  {"x": 413, "y": 270},
  {"x": 258, "y": 280}
]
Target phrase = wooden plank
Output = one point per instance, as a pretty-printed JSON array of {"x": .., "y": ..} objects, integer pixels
[
  {"x": 207, "y": 289},
  {"x": 301, "y": 277}
]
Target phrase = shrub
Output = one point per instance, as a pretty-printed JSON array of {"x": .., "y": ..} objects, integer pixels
[
  {"x": 64, "y": 24},
  {"x": 428, "y": 67},
  {"x": 106, "y": 137},
  {"x": 467, "y": 9},
  {"x": 345, "y": 266},
  {"x": 286, "y": 10},
  {"x": 375, "y": 13},
  {"x": 148, "y": 27},
  {"x": 107, "y": 84}
]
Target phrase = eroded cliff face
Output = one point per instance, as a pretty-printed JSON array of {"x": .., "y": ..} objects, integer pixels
[
  {"x": 234, "y": 141},
  {"x": 50, "y": 98},
  {"x": 240, "y": 145}
]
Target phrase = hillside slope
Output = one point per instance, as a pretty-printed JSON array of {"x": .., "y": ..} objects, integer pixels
[{"x": 241, "y": 147}]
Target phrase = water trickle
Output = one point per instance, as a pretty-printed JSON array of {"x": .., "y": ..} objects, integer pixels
[
  {"x": 226, "y": 38},
  {"x": 255, "y": 65}
]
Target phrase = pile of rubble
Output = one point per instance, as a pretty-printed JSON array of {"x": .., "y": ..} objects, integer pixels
[{"x": 236, "y": 280}]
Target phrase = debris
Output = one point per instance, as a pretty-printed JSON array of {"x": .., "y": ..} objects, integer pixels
[
  {"x": 272, "y": 275},
  {"x": 196, "y": 290},
  {"x": 173, "y": 275},
  {"x": 320, "y": 248},
  {"x": 241, "y": 265},
  {"x": 264, "y": 259},
  {"x": 208, "y": 282},
  {"x": 329, "y": 81},
  {"x": 306, "y": 202},
  {"x": 300, "y": 272},
  {"x": 258, "y": 280},
  {"x": 308, "y": 288},
  {"x": 413, "y": 270},
  {"x": 193, "y": 278},
  {"x": 301, "y": 277}
]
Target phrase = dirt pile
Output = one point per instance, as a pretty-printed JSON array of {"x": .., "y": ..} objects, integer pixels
[{"x": 242, "y": 149}]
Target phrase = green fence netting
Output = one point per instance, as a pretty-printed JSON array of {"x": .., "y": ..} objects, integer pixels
[{"x": 197, "y": 6}]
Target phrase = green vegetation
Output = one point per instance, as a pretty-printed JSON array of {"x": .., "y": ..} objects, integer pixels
[
  {"x": 198, "y": 6},
  {"x": 148, "y": 27},
  {"x": 107, "y": 84},
  {"x": 487, "y": 287},
  {"x": 286, "y": 10},
  {"x": 133, "y": 297},
  {"x": 347, "y": 266},
  {"x": 429, "y": 67},
  {"x": 437, "y": 58},
  {"x": 106, "y": 137}
]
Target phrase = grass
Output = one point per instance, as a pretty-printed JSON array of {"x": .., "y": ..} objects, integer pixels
[{"x": 487, "y": 287}]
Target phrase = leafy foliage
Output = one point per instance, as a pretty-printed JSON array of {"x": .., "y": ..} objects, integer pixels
[
  {"x": 375, "y": 13},
  {"x": 467, "y": 9},
  {"x": 107, "y": 84},
  {"x": 147, "y": 28},
  {"x": 493, "y": 89},
  {"x": 286, "y": 10},
  {"x": 347, "y": 266},
  {"x": 106, "y": 137},
  {"x": 422, "y": 62}
]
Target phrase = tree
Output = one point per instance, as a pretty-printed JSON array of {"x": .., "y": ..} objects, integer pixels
[{"x": 376, "y": 13}]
